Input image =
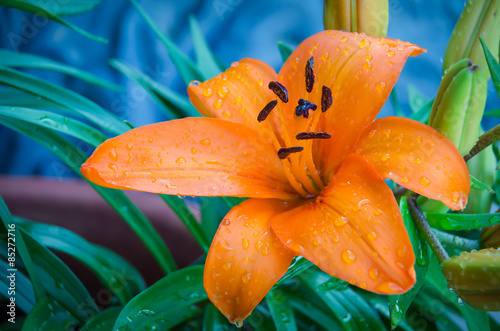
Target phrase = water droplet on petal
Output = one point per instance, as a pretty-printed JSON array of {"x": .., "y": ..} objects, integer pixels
[
  {"x": 372, "y": 235},
  {"x": 180, "y": 160},
  {"x": 348, "y": 256},
  {"x": 380, "y": 86},
  {"x": 425, "y": 181},
  {"x": 373, "y": 273},
  {"x": 245, "y": 243},
  {"x": 208, "y": 92},
  {"x": 205, "y": 142},
  {"x": 194, "y": 83},
  {"x": 218, "y": 103},
  {"x": 390, "y": 53},
  {"x": 226, "y": 221}
]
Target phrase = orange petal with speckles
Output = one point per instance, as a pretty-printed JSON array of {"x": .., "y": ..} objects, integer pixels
[
  {"x": 191, "y": 156},
  {"x": 238, "y": 95},
  {"x": 353, "y": 231},
  {"x": 417, "y": 157},
  {"x": 245, "y": 259},
  {"x": 360, "y": 71}
]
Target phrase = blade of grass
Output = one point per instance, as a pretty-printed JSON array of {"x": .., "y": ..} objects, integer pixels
[
  {"x": 34, "y": 8},
  {"x": 458, "y": 222},
  {"x": 281, "y": 311},
  {"x": 393, "y": 97},
  {"x": 213, "y": 320},
  {"x": 493, "y": 66},
  {"x": 205, "y": 59},
  {"x": 67, "y": 8},
  {"x": 16, "y": 98},
  {"x": 74, "y": 157},
  {"x": 186, "y": 67},
  {"x": 24, "y": 60},
  {"x": 49, "y": 315},
  {"x": 103, "y": 321},
  {"x": 25, "y": 299},
  {"x": 173, "y": 104},
  {"x": 114, "y": 272},
  {"x": 15, "y": 245},
  {"x": 73, "y": 102}
]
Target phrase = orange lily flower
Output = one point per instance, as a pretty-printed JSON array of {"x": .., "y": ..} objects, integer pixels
[{"x": 304, "y": 146}]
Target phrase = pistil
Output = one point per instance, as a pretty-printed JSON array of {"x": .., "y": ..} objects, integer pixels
[{"x": 303, "y": 108}]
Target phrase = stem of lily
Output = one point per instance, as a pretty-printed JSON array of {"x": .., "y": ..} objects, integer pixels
[
  {"x": 457, "y": 242},
  {"x": 425, "y": 229}
]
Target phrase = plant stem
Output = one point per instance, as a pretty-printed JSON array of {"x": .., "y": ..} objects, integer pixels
[
  {"x": 425, "y": 229},
  {"x": 457, "y": 242},
  {"x": 485, "y": 140}
]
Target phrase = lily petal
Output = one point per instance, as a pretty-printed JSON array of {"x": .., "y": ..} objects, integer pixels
[
  {"x": 238, "y": 94},
  {"x": 417, "y": 157},
  {"x": 359, "y": 70},
  {"x": 353, "y": 231},
  {"x": 190, "y": 156},
  {"x": 246, "y": 259}
]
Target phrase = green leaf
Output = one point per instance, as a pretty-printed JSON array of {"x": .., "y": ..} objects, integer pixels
[
  {"x": 25, "y": 299},
  {"x": 104, "y": 321},
  {"x": 55, "y": 122},
  {"x": 493, "y": 66},
  {"x": 16, "y": 246},
  {"x": 73, "y": 102},
  {"x": 380, "y": 304},
  {"x": 16, "y": 98},
  {"x": 205, "y": 59},
  {"x": 399, "y": 304},
  {"x": 393, "y": 97},
  {"x": 416, "y": 99},
  {"x": 44, "y": 11},
  {"x": 261, "y": 319},
  {"x": 166, "y": 303},
  {"x": 114, "y": 272},
  {"x": 479, "y": 185},
  {"x": 285, "y": 50},
  {"x": 186, "y": 67},
  {"x": 298, "y": 265},
  {"x": 66, "y": 8},
  {"x": 74, "y": 157},
  {"x": 333, "y": 284},
  {"x": 215, "y": 321},
  {"x": 49, "y": 315},
  {"x": 282, "y": 312},
  {"x": 457, "y": 222},
  {"x": 422, "y": 115},
  {"x": 476, "y": 320},
  {"x": 493, "y": 113},
  {"x": 24, "y": 60},
  {"x": 173, "y": 104}
]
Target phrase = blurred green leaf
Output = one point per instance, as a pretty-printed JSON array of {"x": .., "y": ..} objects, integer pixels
[
  {"x": 285, "y": 50},
  {"x": 24, "y": 60},
  {"x": 493, "y": 113},
  {"x": 173, "y": 104},
  {"x": 261, "y": 320},
  {"x": 205, "y": 59},
  {"x": 493, "y": 66},
  {"x": 66, "y": 8},
  {"x": 416, "y": 99},
  {"x": 17, "y": 247},
  {"x": 479, "y": 185},
  {"x": 281, "y": 311},
  {"x": 459, "y": 222},
  {"x": 25, "y": 299},
  {"x": 186, "y": 67},
  {"x": 393, "y": 97},
  {"x": 17, "y": 98},
  {"x": 380, "y": 304},
  {"x": 114, "y": 272},
  {"x": 49, "y": 315},
  {"x": 333, "y": 284},
  {"x": 399, "y": 304},
  {"x": 298, "y": 265},
  {"x": 47, "y": 11},
  {"x": 422, "y": 115},
  {"x": 74, "y": 157},
  {"x": 213, "y": 210},
  {"x": 55, "y": 122},
  {"x": 476, "y": 320},
  {"x": 232, "y": 201},
  {"x": 73, "y": 102},
  {"x": 166, "y": 303},
  {"x": 213, "y": 320},
  {"x": 103, "y": 321}
]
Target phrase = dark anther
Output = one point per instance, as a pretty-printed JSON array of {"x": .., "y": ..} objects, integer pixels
[
  {"x": 279, "y": 90},
  {"x": 309, "y": 74},
  {"x": 326, "y": 99},
  {"x": 267, "y": 110},
  {"x": 303, "y": 108},
  {"x": 285, "y": 151},
  {"x": 313, "y": 135}
]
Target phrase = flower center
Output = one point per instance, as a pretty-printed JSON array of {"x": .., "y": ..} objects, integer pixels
[{"x": 309, "y": 184}]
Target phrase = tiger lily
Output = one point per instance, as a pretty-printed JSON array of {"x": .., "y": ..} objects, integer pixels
[{"x": 304, "y": 147}]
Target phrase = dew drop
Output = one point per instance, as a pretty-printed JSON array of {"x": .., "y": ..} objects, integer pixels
[
  {"x": 348, "y": 256},
  {"x": 390, "y": 53},
  {"x": 129, "y": 147},
  {"x": 373, "y": 273},
  {"x": 218, "y": 103},
  {"x": 368, "y": 65},
  {"x": 113, "y": 155},
  {"x": 245, "y": 243},
  {"x": 246, "y": 278},
  {"x": 226, "y": 222},
  {"x": 227, "y": 114},
  {"x": 222, "y": 91},
  {"x": 205, "y": 142},
  {"x": 194, "y": 83},
  {"x": 193, "y": 150},
  {"x": 208, "y": 92},
  {"x": 425, "y": 181},
  {"x": 405, "y": 180},
  {"x": 380, "y": 86},
  {"x": 180, "y": 160},
  {"x": 343, "y": 39},
  {"x": 316, "y": 243},
  {"x": 372, "y": 235},
  {"x": 364, "y": 43},
  {"x": 227, "y": 266},
  {"x": 113, "y": 166},
  {"x": 341, "y": 221}
]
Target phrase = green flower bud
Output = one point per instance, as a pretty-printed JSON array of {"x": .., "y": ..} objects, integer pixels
[
  {"x": 368, "y": 16},
  {"x": 475, "y": 278},
  {"x": 479, "y": 17},
  {"x": 490, "y": 236},
  {"x": 459, "y": 104}
]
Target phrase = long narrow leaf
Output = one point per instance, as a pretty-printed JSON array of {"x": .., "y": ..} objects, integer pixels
[
  {"x": 17, "y": 98},
  {"x": 282, "y": 312},
  {"x": 49, "y": 315},
  {"x": 493, "y": 66},
  {"x": 74, "y": 157},
  {"x": 16, "y": 247},
  {"x": 215, "y": 321},
  {"x": 285, "y": 50},
  {"x": 73, "y": 102},
  {"x": 24, "y": 297},
  {"x": 24, "y": 60},
  {"x": 298, "y": 265},
  {"x": 67, "y": 8},
  {"x": 115, "y": 273},
  {"x": 34, "y": 8},
  {"x": 457, "y": 222},
  {"x": 205, "y": 59},
  {"x": 104, "y": 321}
]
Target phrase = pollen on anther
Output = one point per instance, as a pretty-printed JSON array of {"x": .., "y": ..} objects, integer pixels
[
  {"x": 280, "y": 90},
  {"x": 310, "y": 74},
  {"x": 313, "y": 135},
  {"x": 326, "y": 98},
  {"x": 267, "y": 110},
  {"x": 285, "y": 151}
]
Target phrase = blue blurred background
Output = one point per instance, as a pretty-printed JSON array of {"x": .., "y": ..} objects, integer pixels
[{"x": 234, "y": 29}]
